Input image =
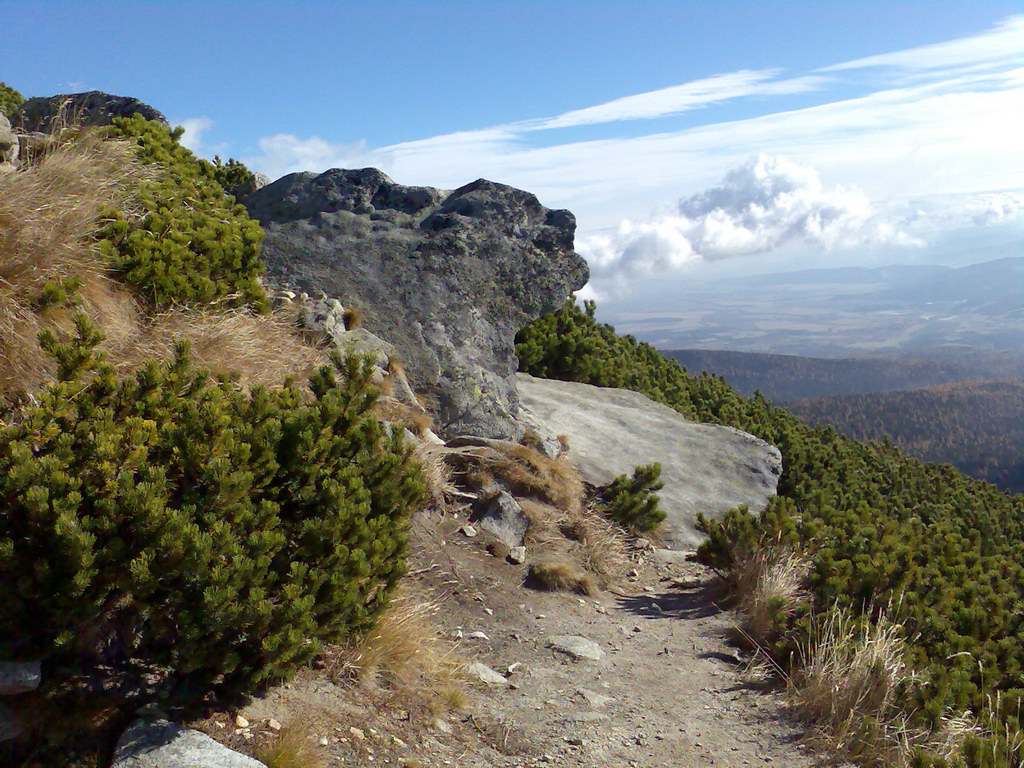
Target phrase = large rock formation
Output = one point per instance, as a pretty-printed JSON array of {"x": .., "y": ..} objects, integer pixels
[
  {"x": 447, "y": 277},
  {"x": 706, "y": 468},
  {"x": 46, "y": 113}
]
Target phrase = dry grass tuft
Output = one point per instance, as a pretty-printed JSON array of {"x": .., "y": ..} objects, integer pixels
[
  {"x": 404, "y": 651},
  {"x": 769, "y": 586},
  {"x": 560, "y": 575},
  {"x": 848, "y": 684},
  {"x": 390, "y": 409},
  {"x": 583, "y": 536},
  {"x": 259, "y": 349},
  {"x": 294, "y": 747},
  {"x": 437, "y": 475},
  {"x": 528, "y": 472},
  {"x": 49, "y": 211},
  {"x": 353, "y": 318}
]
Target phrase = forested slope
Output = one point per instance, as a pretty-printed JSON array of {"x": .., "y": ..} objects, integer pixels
[
  {"x": 978, "y": 427},
  {"x": 883, "y": 533},
  {"x": 784, "y": 378}
]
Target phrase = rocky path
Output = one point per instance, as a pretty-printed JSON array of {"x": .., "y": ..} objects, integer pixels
[{"x": 666, "y": 692}]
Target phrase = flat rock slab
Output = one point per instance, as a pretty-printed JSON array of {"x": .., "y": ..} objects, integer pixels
[
  {"x": 577, "y": 647},
  {"x": 152, "y": 743},
  {"x": 706, "y": 468}
]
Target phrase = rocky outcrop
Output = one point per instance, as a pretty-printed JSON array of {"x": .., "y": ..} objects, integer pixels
[
  {"x": 706, "y": 468},
  {"x": 446, "y": 277},
  {"x": 45, "y": 113},
  {"x": 8, "y": 144},
  {"x": 153, "y": 743}
]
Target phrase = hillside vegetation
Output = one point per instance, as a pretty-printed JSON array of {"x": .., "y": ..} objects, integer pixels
[
  {"x": 887, "y": 540},
  {"x": 978, "y": 427},
  {"x": 784, "y": 378},
  {"x": 182, "y": 516}
]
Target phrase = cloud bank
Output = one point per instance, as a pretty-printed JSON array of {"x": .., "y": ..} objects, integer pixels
[{"x": 764, "y": 204}]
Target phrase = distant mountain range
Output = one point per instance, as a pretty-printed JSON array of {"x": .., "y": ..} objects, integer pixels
[{"x": 897, "y": 311}]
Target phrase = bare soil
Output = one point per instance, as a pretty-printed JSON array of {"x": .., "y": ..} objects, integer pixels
[{"x": 678, "y": 693}]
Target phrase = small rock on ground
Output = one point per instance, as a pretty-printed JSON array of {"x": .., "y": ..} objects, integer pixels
[{"x": 577, "y": 647}]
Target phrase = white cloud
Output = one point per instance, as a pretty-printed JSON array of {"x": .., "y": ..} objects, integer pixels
[
  {"x": 195, "y": 127},
  {"x": 995, "y": 208},
  {"x": 1003, "y": 43},
  {"x": 681, "y": 98},
  {"x": 285, "y": 153},
  {"x": 760, "y": 206}
]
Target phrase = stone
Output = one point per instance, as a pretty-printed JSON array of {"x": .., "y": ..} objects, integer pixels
[
  {"x": 273, "y": 724},
  {"x": 94, "y": 108},
  {"x": 324, "y": 315},
  {"x": 517, "y": 555},
  {"x": 577, "y": 647},
  {"x": 594, "y": 699},
  {"x": 10, "y": 728},
  {"x": 477, "y": 636},
  {"x": 447, "y": 277},
  {"x": 468, "y": 531},
  {"x": 241, "y": 722},
  {"x": 357, "y": 733},
  {"x": 706, "y": 468},
  {"x": 19, "y": 676},
  {"x": 503, "y": 518},
  {"x": 151, "y": 743},
  {"x": 485, "y": 674},
  {"x": 9, "y": 144},
  {"x": 360, "y": 341}
]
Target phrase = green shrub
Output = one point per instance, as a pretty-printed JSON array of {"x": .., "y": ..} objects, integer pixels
[
  {"x": 231, "y": 175},
  {"x": 632, "y": 502},
  {"x": 192, "y": 244},
  {"x": 169, "y": 520},
  {"x": 10, "y": 99},
  {"x": 943, "y": 550}
]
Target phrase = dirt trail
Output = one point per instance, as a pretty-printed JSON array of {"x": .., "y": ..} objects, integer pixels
[{"x": 676, "y": 696}]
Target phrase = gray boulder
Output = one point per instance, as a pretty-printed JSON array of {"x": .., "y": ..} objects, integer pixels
[
  {"x": 153, "y": 743},
  {"x": 8, "y": 144},
  {"x": 44, "y": 113},
  {"x": 446, "y": 277},
  {"x": 706, "y": 468},
  {"x": 503, "y": 518}
]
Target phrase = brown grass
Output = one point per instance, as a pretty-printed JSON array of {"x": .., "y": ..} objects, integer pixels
[
  {"x": 528, "y": 472},
  {"x": 405, "y": 651},
  {"x": 769, "y": 587},
  {"x": 560, "y": 575},
  {"x": 847, "y": 684},
  {"x": 390, "y": 409},
  {"x": 353, "y": 318},
  {"x": 582, "y": 536},
  {"x": 48, "y": 212},
  {"x": 260, "y": 349},
  {"x": 437, "y": 475},
  {"x": 293, "y": 747}
]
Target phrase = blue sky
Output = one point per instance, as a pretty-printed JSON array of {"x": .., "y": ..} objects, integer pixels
[{"x": 689, "y": 138}]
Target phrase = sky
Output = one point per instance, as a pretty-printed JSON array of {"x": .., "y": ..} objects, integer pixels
[{"x": 691, "y": 139}]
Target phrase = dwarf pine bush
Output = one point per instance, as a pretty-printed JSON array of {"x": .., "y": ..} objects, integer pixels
[
  {"x": 166, "y": 519},
  {"x": 188, "y": 242},
  {"x": 10, "y": 99},
  {"x": 632, "y": 501}
]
